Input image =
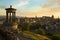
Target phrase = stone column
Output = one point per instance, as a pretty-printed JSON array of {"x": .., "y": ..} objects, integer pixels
[
  {"x": 10, "y": 17},
  {"x": 13, "y": 16},
  {"x": 7, "y": 16}
]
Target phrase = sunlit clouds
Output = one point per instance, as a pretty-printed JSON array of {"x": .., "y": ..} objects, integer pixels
[
  {"x": 20, "y": 4},
  {"x": 32, "y": 8},
  {"x": 2, "y": 12}
]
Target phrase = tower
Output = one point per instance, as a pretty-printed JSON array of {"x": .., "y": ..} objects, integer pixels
[
  {"x": 10, "y": 23},
  {"x": 52, "y": 16},
  {"x": 10, "y": 14}
]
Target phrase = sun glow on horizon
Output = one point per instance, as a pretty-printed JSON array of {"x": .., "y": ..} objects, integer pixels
[{"x": 32, "y": 8}]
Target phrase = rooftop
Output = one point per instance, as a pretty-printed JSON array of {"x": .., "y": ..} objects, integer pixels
[{"x": 10, "y": 8}]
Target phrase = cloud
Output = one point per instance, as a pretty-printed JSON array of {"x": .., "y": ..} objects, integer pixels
[
  {"x": 36, "y": 0},
  {"x": 3, "y": 6},
  {"x": 2, "y": 12},
  {"x": 52, "y": 3},
  {"x": 52, "y": 6},
  {"x": 22, "y": 3}
]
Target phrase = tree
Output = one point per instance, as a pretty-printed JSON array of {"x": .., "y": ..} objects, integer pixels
[
  {"x": 35, "y": 26},
  {"x": 41, "y": 31},
  {"x": 25, "y": 26},
  {"x": 56, "y": 36}
]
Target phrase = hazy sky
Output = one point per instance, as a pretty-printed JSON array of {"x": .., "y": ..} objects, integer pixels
[{"x": 31, "y": 8}]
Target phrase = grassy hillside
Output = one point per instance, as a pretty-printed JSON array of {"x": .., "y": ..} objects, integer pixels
[{"x": 34, "y": 36}]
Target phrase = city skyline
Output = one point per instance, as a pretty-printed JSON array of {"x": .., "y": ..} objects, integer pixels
[{"x": 32, "y": 8}]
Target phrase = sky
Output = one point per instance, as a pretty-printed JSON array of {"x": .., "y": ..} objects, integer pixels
[{"x": 32, "y": 8}]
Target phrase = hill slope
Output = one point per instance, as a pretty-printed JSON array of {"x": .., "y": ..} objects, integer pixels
[{"x": 34, "y": 36}]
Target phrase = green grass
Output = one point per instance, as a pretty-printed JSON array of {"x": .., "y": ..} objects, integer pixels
[{"x": 34, "y": 36}]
